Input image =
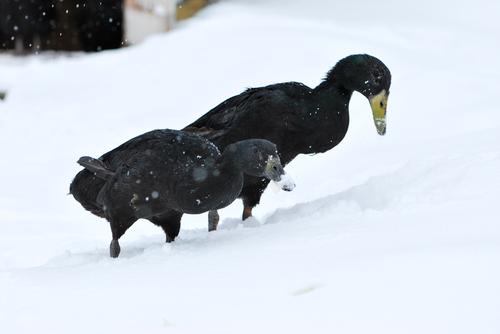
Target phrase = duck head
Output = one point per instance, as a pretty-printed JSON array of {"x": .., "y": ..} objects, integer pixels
[
  {"x": 369, "y": 76},
  {"x": 259, "y": 157}
]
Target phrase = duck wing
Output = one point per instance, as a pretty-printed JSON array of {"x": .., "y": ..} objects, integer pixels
[
  {"x": 255, "y": 113},
  {"x": 214, "y": 123},
  {"x": 139, "y": 144}
]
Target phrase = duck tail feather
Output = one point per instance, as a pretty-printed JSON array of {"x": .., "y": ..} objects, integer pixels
[{"x": 96, "y": 166}]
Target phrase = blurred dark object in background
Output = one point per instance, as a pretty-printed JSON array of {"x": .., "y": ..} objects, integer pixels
[{"x": 66, "y": 25}]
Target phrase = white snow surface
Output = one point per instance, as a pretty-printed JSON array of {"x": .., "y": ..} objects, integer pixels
[{"x": 393, "y": 234}]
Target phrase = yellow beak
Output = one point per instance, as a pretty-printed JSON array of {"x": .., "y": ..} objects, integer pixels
[{"x": 379, "y": 107}]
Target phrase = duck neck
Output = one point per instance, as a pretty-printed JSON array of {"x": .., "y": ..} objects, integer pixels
[
  {"x": 230, "y": 167},
  {"x": 222, "y": 185},
  {"x": 330, "y": 92},
  {"x": 332, "y": 100},
  {"x": 327, "y": 116}
]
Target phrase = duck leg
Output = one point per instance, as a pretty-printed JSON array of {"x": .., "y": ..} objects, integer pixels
[
  {"x": 247, "y": 212},
  {"x": 249, "y": 202},
  {"x": 213, "y": 220},
  {"x": 251, "y": 193},
  {"x": 118, "y": 228},
  {"x": 170, "y": 222}
]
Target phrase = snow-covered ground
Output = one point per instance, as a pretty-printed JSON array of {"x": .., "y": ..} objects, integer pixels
[{"x": 394, "y": 234}]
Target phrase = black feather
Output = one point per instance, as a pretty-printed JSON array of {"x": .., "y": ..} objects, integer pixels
[{"x": 97, "y": 167}]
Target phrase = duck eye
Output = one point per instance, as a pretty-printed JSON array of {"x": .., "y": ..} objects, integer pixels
[{"x": 381, "y": 104}]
